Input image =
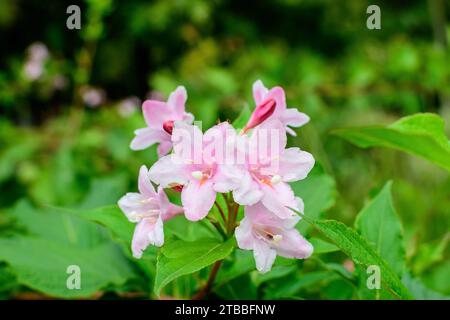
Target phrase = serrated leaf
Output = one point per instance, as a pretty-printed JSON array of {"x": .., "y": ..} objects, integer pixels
[
  {"x": 379, "y": 224},
  {"x": 177, "y": 258},
  {"x": 361, "y": 252},
  {"x": 321, "y": 246},
  {"x": 420, "y": 134}
]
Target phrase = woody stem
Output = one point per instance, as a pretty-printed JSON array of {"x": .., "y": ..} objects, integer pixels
[{"x": 207, "y": 288}]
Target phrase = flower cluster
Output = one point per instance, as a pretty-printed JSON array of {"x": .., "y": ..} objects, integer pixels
[{"x": 251, "y": 167}]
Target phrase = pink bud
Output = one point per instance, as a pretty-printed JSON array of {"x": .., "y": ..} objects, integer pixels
[
  {"x": 168, "y": 126},
  {"x": 261, "y": 113}
]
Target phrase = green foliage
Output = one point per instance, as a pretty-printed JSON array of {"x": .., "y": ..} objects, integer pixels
[
  {"x": 421, "y": 134},
  {"x": 179, "y": 257},
  {"x": 378, "y": 223},
  {"x": 41, "y": 264},
  {"x": 361, "y": 252}
]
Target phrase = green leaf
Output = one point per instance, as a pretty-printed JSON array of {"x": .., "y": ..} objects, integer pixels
[
  {"x": 318, "y": 193},
  {"x": 177, "y": 258},
  {"x": 240, "y": 122},
  {"x": 361, "y": 252},
  {"x": 379, "y": 224},
  {"x": 42, "y": 265},
  {"x": 111, "y": 217},
  {"x": 322, "y": 246},
  {"x": 420, "y": 291},
  {"x": 422, "y": 135}
]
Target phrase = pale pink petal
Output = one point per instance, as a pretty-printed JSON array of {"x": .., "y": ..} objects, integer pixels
[
  {"x": 227, "y": 178},
  {"x": 148, "y": 231},
  {"x": 188, "y": 118},
  {"x": 156, "y": 113},
  {"x": 133, "y": 206},
  {"x": 294, "y": 118},
  {"x": 293, "y": 245},
  {"x": 168, "y": 210},
  {"x": 248, "y": 192},
  {"x": 243, "y": 233},
  {"x": 187, "y": 142},
  {"x": 145, "y": 186},
  {"x": 290, "y": 131},
  {"x": 168, "y": 171},
  {"x": 177, "y": 100},
  {"x": 146, "y": 137},
  {"x": 295, "y": 164},
  {"x": 264, "y": 256},
  {"x": 259, "y": 91},
  {"x": 277, "y": 93},
  {"x": 277, "y": 198},
  {"x": 164, "y": 148},
  {"x": 198, "y": 199}
]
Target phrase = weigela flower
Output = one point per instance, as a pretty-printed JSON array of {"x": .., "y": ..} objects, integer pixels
[
  {"x": 159, "y": 117},
  {"x": 148, "y": 209},
  {"x": 194, "y": 166},
  {"x": 269, "y": 236},
  {"x": 268, "y": 169},
  {"x": 264, "y": 99}
]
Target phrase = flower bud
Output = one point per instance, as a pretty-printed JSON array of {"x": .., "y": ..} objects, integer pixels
[
  {"x": 168, "y": 126},
  {"x": 261, "y": 113}
]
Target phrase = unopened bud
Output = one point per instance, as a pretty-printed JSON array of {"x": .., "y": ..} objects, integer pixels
[
  {"x": 261, "y": 113},
  {"x": 168, "y": 126}
]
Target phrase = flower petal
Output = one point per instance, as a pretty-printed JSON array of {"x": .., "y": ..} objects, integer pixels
[
  {"x": 248, "y": 192},
  {"x": 295, "y": 164},
  {"x": 294, "y": 118},
  {"x": 278, "y": 198},
  {"x": 198, "y": 199},
  {"x": 243, "y": 234},
  {"x": 156, "y": 113},
  {"x": 145, "y": 186},
  {"x": 168, "y": 171},
  {"x": 264, "y": 256},
  {"x": 168, "y": 210},
  {"x": 293, "y": 245},
  {"x": 259, "y": 91},
  {"x": 177, "y": 100},
  {"x": 164, "y": 148},
  {"x": 147, "y": 232},
  {"x": 146, "y": 137}
]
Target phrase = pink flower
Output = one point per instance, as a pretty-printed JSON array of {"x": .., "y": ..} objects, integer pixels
[
  {"x": 158, "y": 115},
  {"x": 148, "y": 209},
  {"x": 194, "y": 165},
  {"x": 268, "y": 169},
  {"x": 288, "y": 117},
  {"x": 268, "y": 235}
]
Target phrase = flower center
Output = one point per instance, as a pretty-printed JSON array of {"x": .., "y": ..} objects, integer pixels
[{"x": 267, "y": 234}]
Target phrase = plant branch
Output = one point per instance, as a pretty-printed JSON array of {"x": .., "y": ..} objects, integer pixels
[{"x": 207, "y": 288}]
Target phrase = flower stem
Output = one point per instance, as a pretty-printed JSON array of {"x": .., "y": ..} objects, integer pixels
[
  {"x": 221, "y": 212},
  {"x": 207, "y": 288}
]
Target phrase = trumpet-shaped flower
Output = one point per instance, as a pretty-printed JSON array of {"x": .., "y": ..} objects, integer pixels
[
  {"x": 268, "y": 169},
  {"x": 269, "y": 236},
  {"x": 159, "y": 117},
  {"x": 148, "y": 209},
  {"x": 264, "y": 99},
  {"x": 196, "y": 166}
]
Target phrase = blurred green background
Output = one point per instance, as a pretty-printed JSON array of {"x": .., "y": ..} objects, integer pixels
[{"x": 70, "y": 99}]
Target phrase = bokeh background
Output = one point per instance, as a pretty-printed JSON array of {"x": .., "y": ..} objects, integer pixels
[{"x": 70, "y": 99}]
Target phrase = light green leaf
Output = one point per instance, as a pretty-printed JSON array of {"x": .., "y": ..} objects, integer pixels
[
  {"x": 322, "y": 246},
  {"x": 420, "y": 291},
  {"x": 379, "y": 224},
  {"x": 177, "y": 258},
  {"x": 420, "y": 134},
  {"x": 42, "y": 265},
  {"x": 318, "y": 192},
  {"x": 111, "y": 217},
  {"x": 361, "y": 252}
]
